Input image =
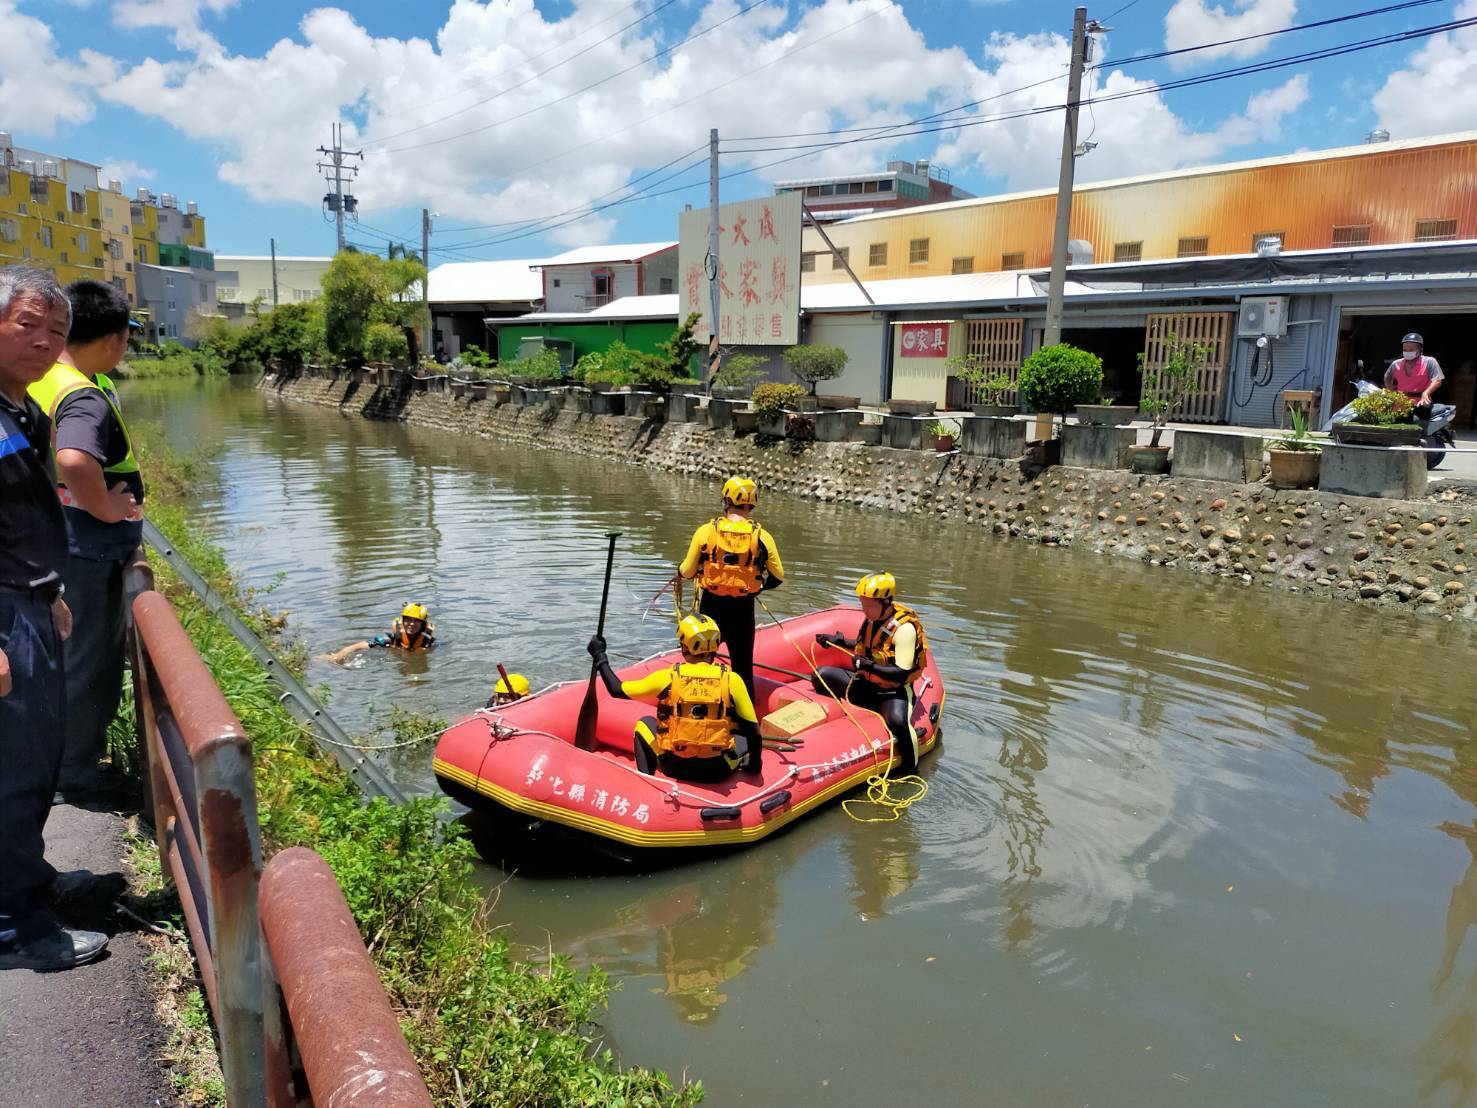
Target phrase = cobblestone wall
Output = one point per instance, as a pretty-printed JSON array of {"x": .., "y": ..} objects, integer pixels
[{"x": 1415, "y": 555}]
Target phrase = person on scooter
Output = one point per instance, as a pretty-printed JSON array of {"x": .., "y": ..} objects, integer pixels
[{"x": 1414, "y": 374}]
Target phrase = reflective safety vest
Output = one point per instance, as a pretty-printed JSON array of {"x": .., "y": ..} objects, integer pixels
[
  {"x": 60, "y": 382},
  {"x": 877, "y": 643},
  {"x": 400, "y": 637},
  {"x": 732, "y": 559},
  {"x": 694, "y": 714}
]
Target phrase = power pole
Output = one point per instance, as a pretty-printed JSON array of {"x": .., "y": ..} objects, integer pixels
[
  {"x": 1056, "y": 290},
  {"x": 427, "y": 347},
  {"x": 712, "y": 263},
  {"x": 274, "y": 273},
  {"x": 338, "y": 174}
]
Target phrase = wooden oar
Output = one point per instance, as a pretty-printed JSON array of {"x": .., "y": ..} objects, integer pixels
[{"x": 584, "y": 730}]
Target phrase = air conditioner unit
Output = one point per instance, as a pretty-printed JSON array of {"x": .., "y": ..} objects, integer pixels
[
  {"x": 1262, "y": 315},
  {"x": 1079, "y": 252}
]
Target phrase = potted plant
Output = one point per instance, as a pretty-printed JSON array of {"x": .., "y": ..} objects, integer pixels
[
  {"x": 1054, "y": 380},
  {"x": 1381, "y": 418},
  {"x": 1105, "y": 413},
  {"x": 943, "y": 436},
  {"x": 990, "y": 387},
  {"x": 813, "y": 364},
  {"x": 1172, "y": 383},
  {"x": 772, "y": 402},
  {"x": 1296, "y": 458}
]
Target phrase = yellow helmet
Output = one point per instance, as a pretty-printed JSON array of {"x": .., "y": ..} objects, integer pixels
[
  {"x": 517, "y": 680},
  {"x": 877, "y": 586},
  {"x": 412, "y": 610},
  {"x": 741, "y": 491},
  {"x": 698, "y": 635}
]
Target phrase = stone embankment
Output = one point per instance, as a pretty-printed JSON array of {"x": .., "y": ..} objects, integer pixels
[{"x": 1417, "y": 555}]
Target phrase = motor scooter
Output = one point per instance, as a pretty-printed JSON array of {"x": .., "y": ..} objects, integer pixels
[{"x": 1435, "y": 429}]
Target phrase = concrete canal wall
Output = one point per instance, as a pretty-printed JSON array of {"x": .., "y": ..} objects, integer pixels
[{"x": 1416, "y": 555}]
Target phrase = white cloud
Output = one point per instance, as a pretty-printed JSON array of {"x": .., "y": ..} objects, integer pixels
[
  {"x": 1194, "y": 22},
  {"x": 39, "y": 88},
  {"x": 129, "y": 173},
  {"x": 1136, "y": 134},
  {"x": 1433, "y": 93}
]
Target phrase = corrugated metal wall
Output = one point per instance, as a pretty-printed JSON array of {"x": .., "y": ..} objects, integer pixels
[
  {"x": 861, "y": 337},
  {"x": 1297, "y": 362}
]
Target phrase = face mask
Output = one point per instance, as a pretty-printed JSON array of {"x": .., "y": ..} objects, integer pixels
[{"x": 1410, "y": 355}]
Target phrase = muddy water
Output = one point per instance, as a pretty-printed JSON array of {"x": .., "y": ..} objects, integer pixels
[{"x": 1186, "y": 843}]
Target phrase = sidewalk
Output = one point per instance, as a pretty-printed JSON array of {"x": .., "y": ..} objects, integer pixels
[{"x": 86, "y": 1038}]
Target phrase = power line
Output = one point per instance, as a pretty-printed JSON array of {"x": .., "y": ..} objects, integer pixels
[
  {"x": 527, "y": 80},
  {"x": 688, "y": 102},
  {"x": 579, "y": 92}
]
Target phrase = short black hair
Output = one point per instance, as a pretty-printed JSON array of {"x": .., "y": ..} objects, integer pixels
[{"x": 98, "y": 310}]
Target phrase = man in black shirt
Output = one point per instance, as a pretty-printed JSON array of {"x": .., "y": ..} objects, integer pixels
[
  {"x": 34, "y": 620},
  {"x": 100, "y": 487}
]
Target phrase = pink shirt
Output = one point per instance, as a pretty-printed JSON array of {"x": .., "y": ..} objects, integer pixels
[{"x": 1414, "y": 377}]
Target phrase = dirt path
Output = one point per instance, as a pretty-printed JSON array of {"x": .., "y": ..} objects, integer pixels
[{"x": 86, "y": 1038}]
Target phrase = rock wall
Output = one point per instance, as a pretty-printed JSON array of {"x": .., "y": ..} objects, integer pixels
[{"x": 1415, "y": 555}]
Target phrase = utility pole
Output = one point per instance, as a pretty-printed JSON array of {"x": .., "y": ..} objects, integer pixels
[
  {"x": 427, "y": 347},
  {"x": 338, "y": 174},
  {"x": 274, "y": 273},
  {"x": 1057, "y": 287},
  {"x": 712, "y": 262}
]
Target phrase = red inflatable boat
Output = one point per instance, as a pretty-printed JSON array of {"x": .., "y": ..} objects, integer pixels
[{"x": 521, "y": 757}]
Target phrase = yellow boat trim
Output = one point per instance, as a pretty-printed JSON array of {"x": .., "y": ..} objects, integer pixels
[{"x": 635, "y": 836}]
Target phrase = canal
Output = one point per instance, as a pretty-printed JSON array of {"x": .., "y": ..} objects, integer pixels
[{"x": 1186, "y": 842}]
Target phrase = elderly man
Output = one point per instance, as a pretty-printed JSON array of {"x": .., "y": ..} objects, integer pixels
[{"x": 34, "y": 620}]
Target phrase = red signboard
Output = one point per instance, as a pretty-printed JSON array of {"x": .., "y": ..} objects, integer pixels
[{"x": 924, "y": 340}]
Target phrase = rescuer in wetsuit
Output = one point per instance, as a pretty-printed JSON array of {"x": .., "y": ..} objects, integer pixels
[
  {"x": 507, "y": 691},
  {"x": 887, "y": 656},
  {"x": 704, "y": 727},
  {"x": 734, "y": 559},
  {"x": 412, "y": 633}
]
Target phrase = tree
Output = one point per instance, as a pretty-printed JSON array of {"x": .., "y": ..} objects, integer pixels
[
  {"x": 813, "y": 364},
  {"x": 360, "y": 289},
  {"x": 1058, "y": 378},
  {"x": 384, "y": 342}
]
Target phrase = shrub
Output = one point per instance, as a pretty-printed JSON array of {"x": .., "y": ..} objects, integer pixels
[
  {"x": 617, "y": 365},
  {"x": 474, "y": 357},
  {"x": 738, "y": 371},
  {"x": 673, "y": 360},
  {"x": 813, "y": 364},
  {"x": 1058, "y": 378},
  {"x": 538, "y": 365},
  {"x": 1384, "y": 408},
  {"x": 384, "y": 342},
  {"x": 990, "y": 386},
  {"x": 772, "y": 396}
]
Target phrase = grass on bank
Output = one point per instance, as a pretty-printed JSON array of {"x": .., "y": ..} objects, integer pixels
[{"x": 486, "y": 1027}]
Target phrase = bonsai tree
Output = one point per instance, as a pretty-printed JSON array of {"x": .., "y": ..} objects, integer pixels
[
  {"x": 1058, "y": 378},
  {"x": 1173, "y": 381},
  {"x": 538, "y": 365},
  {"x": 990, "y": 386},
  {"x": 384, "y": 342},
  {"x": 772, "y": 396},
  {"x": 673, "y": 360},
  {"x": 813, "y": 364},
  {"x": 616, "y": 366},
  {"x": 1384, "y": 408},
  {"x": 738, "y": 371}
]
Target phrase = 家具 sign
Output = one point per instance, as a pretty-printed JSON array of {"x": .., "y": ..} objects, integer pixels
[
  {"x": 923, "y": 340},
  {"x": 758, "y": 271}
]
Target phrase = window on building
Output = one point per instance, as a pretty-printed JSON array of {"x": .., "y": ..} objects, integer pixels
[
  {"x": 265, "y": 294},
  {"x": 1128, "y": 251},
  {"x": 79, "y": 202},
  {"x": 877, "y": 254},
  {"x": 556, "y": 282},
  {"x": 97, "y": 263},
  {"x": 66, "y": 260},
  {"x": 1352, "y": 235},
  {"x": 1280, "y": 236},
  {"x": 869, "y": 186},
  {"x": 10, "y": 230},
  {"x": 807, "y": 262},
  {"x": 1433, "y": 230},
  {"x": 171, "y": 305},
  {"x": 82, "y": 243},
  {"x": 45, "y": 236},
  {"x": 1016, "y": 260},
  {"x": 812, "y": 190},
  {"x": 841, "y": 258},
  {"x": 666, "y": 286},
  {"x": 169, "y": 282},
  {"x": 22, "y": 207},
  {"x": 25, "y": 251},
  {"x": 885, "y": 186},
  {"x": 1195, "y": 247},
  {"x": 828, "y": 190},
  {"x": 857, "y": 188},
  {"x": 963, "y": 265},
  {"x": 917, "y": 251},
  {"x": 120, "y": 284}
]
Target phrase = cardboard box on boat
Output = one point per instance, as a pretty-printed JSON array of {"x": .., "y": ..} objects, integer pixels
[{"x": 790, "y": 720}]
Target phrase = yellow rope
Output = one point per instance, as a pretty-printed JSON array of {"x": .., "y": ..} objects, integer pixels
[{"x": 880, "y": 786}]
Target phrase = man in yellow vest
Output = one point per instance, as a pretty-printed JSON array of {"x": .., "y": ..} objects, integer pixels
[
  {"x": 704, "y": 727},
  {"x": 733, "y": 559},
  {"x": 98, "y": 480},
  {"x": 887, "y": 656}
]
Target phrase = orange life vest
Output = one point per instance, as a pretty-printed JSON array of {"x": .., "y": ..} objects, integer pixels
[
  {"x": 401, "y": 637},
  {"x": 877, "y": 642},
  {"x": 694, "y": 713},
  {"x": 733, "y": 557}
]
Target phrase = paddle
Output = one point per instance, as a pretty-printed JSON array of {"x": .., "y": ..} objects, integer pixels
[
  {"x": 584, "y": 729},
  {"x": 507, "y": 684}
]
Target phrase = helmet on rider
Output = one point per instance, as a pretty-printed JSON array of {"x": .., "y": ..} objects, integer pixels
[
  {"x": 698, "y": 635},
  {"x": 1414, "y": 337},
  {"x": 741, "y": 492},
  {"x": 877, "y": 586}
]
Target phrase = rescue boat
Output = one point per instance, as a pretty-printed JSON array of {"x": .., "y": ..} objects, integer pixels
[{"x": 521, "y": 758}]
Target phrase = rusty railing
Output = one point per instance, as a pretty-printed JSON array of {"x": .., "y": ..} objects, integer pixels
[{"x": 202, "y": 795}]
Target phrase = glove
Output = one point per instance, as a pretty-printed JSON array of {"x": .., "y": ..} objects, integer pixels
[
  {"x": 596, "y": 647},
  {"x": 826, "y": 639},
  {"x": 861, "y": 665}
]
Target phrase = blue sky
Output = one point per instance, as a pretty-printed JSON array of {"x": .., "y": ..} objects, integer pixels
[{"x": 223, "y": 101}]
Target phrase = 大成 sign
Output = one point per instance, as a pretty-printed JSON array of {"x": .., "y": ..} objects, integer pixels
[{"x": 758, "y": 271}]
